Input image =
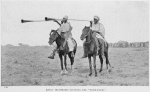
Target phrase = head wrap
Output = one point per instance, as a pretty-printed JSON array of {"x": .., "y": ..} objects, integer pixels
[
  {"x": 96, "y": 17},
  {"x": 65, "y": 17}
]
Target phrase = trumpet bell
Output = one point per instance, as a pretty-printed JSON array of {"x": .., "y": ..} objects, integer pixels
[{"x": 24, "y": 21}]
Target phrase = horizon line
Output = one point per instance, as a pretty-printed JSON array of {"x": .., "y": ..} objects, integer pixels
[{"x": 23, "y": 44}]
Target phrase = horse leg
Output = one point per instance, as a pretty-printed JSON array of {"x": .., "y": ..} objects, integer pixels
[
  {"x": 90, "y": 64},
  {"x": 106, "y": 59},
  {"x": 61, "y": 62},
  {"x": 107, "y": 62},
  {"x": 65, "y": 63},
  {"x": 101, "y": 61},
  {"x": 71, "y": 60},
  {"x": 94, "y": 64}
]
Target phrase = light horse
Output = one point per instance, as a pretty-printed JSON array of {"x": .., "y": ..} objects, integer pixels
[
  {"x": 55, "y": 37},
  {"x": 91, "y": 50}
]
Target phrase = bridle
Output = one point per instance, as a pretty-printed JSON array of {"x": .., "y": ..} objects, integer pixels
[
  {"x": 54, "y": 39},
  {"x": 86, "y": 36}
]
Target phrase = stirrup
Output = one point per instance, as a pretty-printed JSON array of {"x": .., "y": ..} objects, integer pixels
[
  {"x": 51, "y": 57},
  {"x": 84, "y": 56}
]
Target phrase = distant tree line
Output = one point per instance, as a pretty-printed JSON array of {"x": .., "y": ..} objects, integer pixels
[
  {"x": 23, "y": 45},
  {"x": 125, "y": 44},
  {"x": 120, "y": 44}
]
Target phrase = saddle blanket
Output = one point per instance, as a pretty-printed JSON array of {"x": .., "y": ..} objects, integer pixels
[
  {"x": 70, "y": 44},
  {"x": 99, "y": 36}
]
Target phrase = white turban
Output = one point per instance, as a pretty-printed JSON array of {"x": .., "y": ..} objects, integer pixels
[
  {"x": 96, "y": 17},
  {"x": 65, "y": 17}
]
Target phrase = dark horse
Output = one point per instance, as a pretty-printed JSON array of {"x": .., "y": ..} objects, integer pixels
[
  {"x": 91, "y": 50},
  {"x": 59, "y": 39}
]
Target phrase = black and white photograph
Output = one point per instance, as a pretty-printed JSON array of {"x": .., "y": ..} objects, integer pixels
[{"x": 74, "y": 46}]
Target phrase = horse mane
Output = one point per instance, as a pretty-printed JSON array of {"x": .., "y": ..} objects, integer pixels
[
  {"x": 56, "y": 32},
  {"x": 58, "y": 39},
  {"x": 89, "y": 34}
]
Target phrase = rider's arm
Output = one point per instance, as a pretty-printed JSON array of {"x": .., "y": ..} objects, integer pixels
[
  {"x": 98, "y": 33},
  {"x": 102, "y": 29},
  {"x": 70, "y": 28},
  {"x": 101, "y": 34},
  {"x": 57, "y": 22},
  {"x": 90, "y": 23}
]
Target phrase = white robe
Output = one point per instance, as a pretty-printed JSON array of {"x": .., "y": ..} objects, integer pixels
[
  {"x": 99, "y": 28},
  {"x": 64, "y": 28}
]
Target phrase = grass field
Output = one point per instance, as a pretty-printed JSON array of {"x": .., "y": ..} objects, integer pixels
[{"x": 26, "y": 66}]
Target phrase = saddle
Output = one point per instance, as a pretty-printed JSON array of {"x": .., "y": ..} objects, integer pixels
[
  {"x": 62, "y": 35},
  {"x": 70, "y": 41},
  {"x": 100, "y": 38}
]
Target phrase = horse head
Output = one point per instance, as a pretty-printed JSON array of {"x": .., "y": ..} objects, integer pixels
[
  {"x": 53, "y": 36},
  {"x": 85, "y": 33}
]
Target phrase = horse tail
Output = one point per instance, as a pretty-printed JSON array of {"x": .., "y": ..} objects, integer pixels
[
  {"x": 75, "y": 48},
  {"x": 107, "y": 45}
]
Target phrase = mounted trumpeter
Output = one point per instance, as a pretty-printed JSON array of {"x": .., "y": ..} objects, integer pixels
[
  {"x": 65, "y": 31},
  {"x": 65, "y": 44},
  {"x": 98, "y": 35},
  {"x": 95, "y": 44}
]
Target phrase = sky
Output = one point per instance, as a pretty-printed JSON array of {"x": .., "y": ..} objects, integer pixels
[{"x": 123, "y": 20}]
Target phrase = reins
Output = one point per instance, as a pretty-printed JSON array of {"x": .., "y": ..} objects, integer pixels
[{"x": 86, "y": 36}]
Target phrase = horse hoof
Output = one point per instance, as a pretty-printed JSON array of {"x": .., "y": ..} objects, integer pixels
[
  {"x": 72, "y": 71},
  {"x": 109, "y": 70},
  {"x": 100, "y": 70},
  {"x": 95, "y": 75},
  {"x": 61, "y": 72},
  {"x": 66, "y": 72},
  {"x": 90, "y": 74}
]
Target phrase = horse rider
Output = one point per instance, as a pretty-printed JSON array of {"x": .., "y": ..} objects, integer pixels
[
  {"x": 98, "y": 32},
  {"x": 65, "y": 28}
]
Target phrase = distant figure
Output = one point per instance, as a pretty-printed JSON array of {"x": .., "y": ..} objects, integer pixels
[
  {"x": 65, "y": 31},
  {"x": 98, "y": 34}
]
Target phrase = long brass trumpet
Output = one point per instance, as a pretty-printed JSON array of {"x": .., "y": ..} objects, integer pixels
[
  {"x": 25, "y": 21},
  {"x": 49, "y": 19}
]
